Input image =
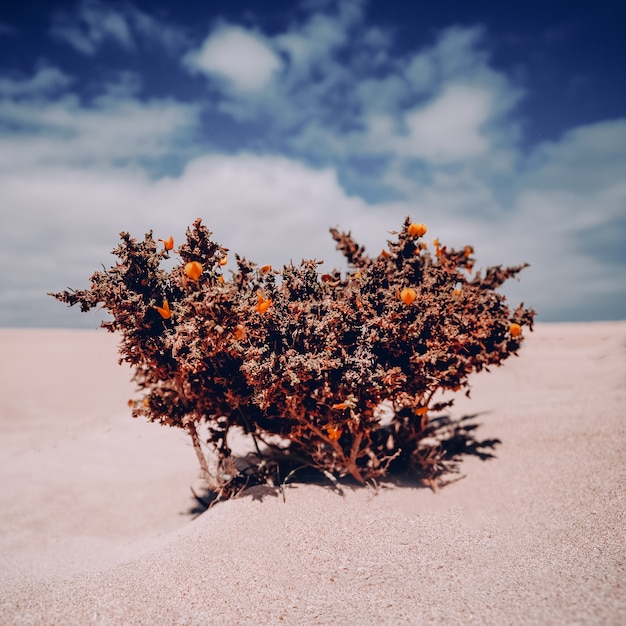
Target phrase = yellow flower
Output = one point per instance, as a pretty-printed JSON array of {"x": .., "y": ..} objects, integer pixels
[
  {"x": 193, "y": 269},
  {"x": 408, "y": 295},
  {"x": 168, "y": 243},
  {"x": 515, "y": 330},
  {"x": 417, "y": 230},
  {"x": 164, "y": 311},
  {"x": 263, "y": 304},
  {"x": 334, "y": 432}
]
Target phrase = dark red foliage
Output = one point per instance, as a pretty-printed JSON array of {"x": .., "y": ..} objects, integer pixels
[{"x": 304, "y": 360}]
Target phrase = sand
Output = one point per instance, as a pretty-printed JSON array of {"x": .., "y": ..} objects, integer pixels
[{"x": 96, "y": 528}]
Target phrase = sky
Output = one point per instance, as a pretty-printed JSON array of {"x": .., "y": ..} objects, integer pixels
[{"x": 500, "y": 126}]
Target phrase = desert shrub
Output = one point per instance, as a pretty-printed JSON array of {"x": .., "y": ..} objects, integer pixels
[{"x": 301, "y": 360}]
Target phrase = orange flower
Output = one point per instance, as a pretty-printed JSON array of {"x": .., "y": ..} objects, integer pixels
[
  {"x": 168, "y": 243},
  {"x": 417, "y": 230},
  {"x": 457, "y": 292},
  {"x": 193, "y": 269},
  {"x": 422, "y": 410},
  {"x": 240, "y": 332},
  {"x": 515, "y": 330},
  {"x": 265, "y": 269},
  {"x": 407, "y": 295},
  {"x": 223, "y": 261},
  {"x": 340, "y": 406},
  {"x": 263, "y": 304},
  {"x": 164, "y": 311},
  {"x": 385, "y": 254},
  {"x": 146, "y": 402},
  {"x": 334, "y": 432}
]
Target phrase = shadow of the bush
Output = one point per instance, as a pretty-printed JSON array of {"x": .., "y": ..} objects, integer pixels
[{"x": 446, "y": 442}]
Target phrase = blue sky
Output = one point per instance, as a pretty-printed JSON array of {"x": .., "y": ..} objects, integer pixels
[{"x": 499, "y": 126}]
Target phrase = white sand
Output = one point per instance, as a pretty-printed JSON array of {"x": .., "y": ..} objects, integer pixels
[{"x": 94, "y": 526}]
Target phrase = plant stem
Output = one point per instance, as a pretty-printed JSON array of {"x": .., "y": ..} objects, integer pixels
[{"x": 204, "y": 468}]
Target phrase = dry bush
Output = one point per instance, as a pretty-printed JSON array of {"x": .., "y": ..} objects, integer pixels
[{"x": 302, "y": 360}]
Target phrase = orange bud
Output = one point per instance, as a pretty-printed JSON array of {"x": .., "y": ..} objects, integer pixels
[
  {"x": 340, "y": 406},
  {"x": 417, "y": 230},
  {"x": 164, "y": 311},
  {"x": 263, "y": 304},
  {"x": 515, "y": 330},
  {"x": 422, "y": 410},
  {"x": 408, "y": 295},
  {"x": 457, "y": 292},
  {"x": 334, "y": 432},
  {"x": 385, "y": 254},
  {"x": 240, "y": 332},
  {"x": 223, "y": 261},
  {"x": 220, "y": 279},
  {"x": 146, "y": 402},
  {"x": 265, "y": 269},
  {"x": 193, "y": 269},
  {"x": 468, "y": 250},
  {"x": 168, "y": 244}
]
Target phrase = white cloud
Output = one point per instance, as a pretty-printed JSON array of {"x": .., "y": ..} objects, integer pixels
[
  {"x": 448, "y": 129},
  {"x": 95, "y": 23},
  {"x": 242, "y": 58},
  {"x": 587, "y": 158},
  {"x": 43, "y": 82},
  {"x": 112, "y": 128},
  {"x": 343, "y": 92},
  {"x": 62, "y": 222}
]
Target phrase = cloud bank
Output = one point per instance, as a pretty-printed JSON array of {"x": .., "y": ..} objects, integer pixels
[{"x": 282, "y": 135}]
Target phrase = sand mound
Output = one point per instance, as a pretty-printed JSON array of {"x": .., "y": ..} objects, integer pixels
[{"x": 95, "y": 523}]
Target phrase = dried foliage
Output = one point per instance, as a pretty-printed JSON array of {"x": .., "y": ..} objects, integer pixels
[{"x": 304, "y": 361}]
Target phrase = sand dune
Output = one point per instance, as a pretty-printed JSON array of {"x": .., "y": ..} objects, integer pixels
[{"x": 95, "y": 522}]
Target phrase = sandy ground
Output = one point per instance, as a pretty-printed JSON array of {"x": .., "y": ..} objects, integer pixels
[{"x": 95, "y": 522}]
